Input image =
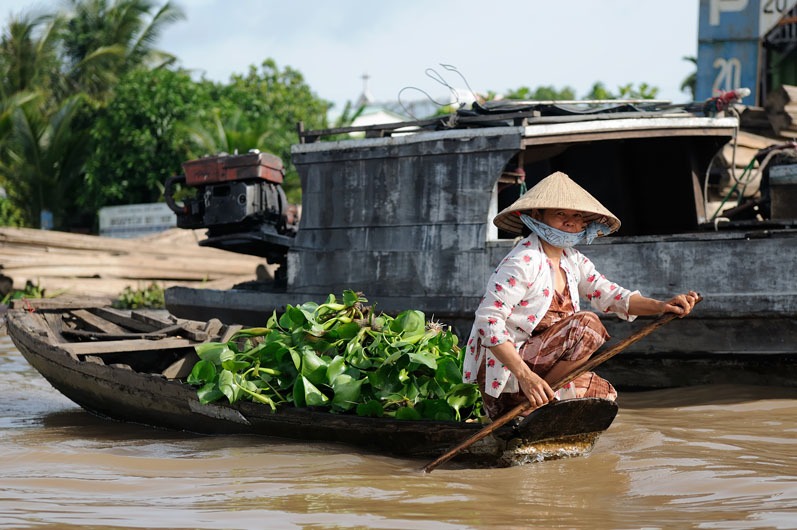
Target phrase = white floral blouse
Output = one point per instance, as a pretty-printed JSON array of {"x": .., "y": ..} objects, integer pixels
[{"x": 519, "y": 294}]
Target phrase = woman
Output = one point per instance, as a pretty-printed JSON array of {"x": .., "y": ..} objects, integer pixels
[{"x": 529, "y": 330}]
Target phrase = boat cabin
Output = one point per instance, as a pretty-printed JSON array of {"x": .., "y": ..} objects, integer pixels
[{"x": 409, "y": 215}]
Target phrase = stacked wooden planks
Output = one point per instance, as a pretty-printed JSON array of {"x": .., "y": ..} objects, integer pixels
[
  {"x": 772, "y": 126},
  {"x": 781, "y": 107},
  {"x": 746, "y": 147},
  {"x": 86, "y": 265}
]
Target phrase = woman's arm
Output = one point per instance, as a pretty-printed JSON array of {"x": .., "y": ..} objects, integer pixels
[
  {"x": 532, "y": 385},
  {"x": 680, "y": 304}
]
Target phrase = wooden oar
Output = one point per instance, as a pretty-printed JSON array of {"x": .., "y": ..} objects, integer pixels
[{"x": 594, "y": 361}]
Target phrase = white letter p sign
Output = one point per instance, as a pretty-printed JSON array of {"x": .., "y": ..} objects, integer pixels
[{"x": 716, "y": 7}]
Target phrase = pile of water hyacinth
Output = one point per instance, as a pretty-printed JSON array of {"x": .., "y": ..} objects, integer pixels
[{"x": 342, "y": 356}]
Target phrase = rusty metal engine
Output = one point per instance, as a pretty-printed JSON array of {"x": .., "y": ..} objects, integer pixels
[{"x": 240, "y": 200}]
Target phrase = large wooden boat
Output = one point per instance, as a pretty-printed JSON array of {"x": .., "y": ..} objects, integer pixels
[
  {"x": 404, "y": 213},
  {"x": 131, "y": 366}
]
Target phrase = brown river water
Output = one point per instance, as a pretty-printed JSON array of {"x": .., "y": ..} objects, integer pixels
[{"x": 715, "y": 457}]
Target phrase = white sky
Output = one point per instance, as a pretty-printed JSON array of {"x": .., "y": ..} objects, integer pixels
[{"x": 497, "y": 45}]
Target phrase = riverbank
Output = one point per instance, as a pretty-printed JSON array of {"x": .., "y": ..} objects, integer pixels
[{"x": 78, "y": 265}]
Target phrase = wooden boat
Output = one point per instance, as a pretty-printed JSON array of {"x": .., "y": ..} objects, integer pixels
[{"x": 131, "y": 366}]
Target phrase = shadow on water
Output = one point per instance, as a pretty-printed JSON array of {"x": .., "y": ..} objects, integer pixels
[
  {"x": 98, "y": 431},
  {"x": 86, "y": 425},
  {"x": 702, "y": 395}
]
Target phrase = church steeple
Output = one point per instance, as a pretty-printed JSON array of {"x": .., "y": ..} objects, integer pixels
[{"x": 365, "y": 98}]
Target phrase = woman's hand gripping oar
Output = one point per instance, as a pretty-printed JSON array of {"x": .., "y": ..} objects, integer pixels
[{"x": 594, "y": 361}]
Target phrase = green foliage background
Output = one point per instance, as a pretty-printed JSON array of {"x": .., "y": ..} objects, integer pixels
[{"x": 92, "y": 114}]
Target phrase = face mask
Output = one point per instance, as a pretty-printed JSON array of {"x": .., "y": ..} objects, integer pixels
[{"x": 561, "y": 239}]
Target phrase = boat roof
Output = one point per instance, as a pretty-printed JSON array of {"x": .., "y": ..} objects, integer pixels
[
  {"x": 541, "y": 123},
  {"x": 628, "y": 126}
]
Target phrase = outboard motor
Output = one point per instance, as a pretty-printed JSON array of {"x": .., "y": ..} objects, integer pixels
[{"x": 240, "y": 200}]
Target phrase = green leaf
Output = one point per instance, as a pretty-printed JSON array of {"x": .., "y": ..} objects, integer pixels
[
  {"x": 349, "y": 298},
  {"x": 312, "y": 396},
  {"x": 321, "y": 346},
  {"x": 227, "y": 355},
  {"x": 296, "y": 357},
  {"x": 255, "y": 351},
  {"x": 385, "y": 380},
  {"x": 336, "y": 367},
  {"x": 422, "y": 384},
  {"x": 274, "y": 347},
  {"x": 448, "y": 371},
  {"x": 394, "y": 357},
  {"x": 278, "y": 335},
  {"x": 347, "y": 331},
  {"x": 298, "y": 393},
  {"x": 371, "y": 409},
  {"x": 203, "y": 372},
  {"x": 423, "y": 358},
  {"x": 447, "y": 341},
  {"x": 355, "y": 355},
  {"x": 227, "y": 385},
  {"x": 209, "y": 393},
  {"x": 347, "y": 391},
  {"x": 215, "y": 352},
  {"x": 315, "y": 330},
  {"x": 463, "y": 395},
  {"x": 297, "y": 316},
  {"x": 272, "y": 320},
  {"x": 314, "y": 368},
  {"x": 407, "y": 413},
  {"x": 285, "y": 320},
  {"x": 409, "y": 322},
  {"x": 235, "y": 366},
  {"x": 436, "y": 409},
  {"x": 298, "y": 337},
  {"x": 309, "y": 309},
  {"x": 435, "y": 389},
  {"x": 410, "y": 390}
]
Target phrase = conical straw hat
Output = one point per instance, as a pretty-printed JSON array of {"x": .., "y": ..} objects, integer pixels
[{"x": 555, "y": 191}]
